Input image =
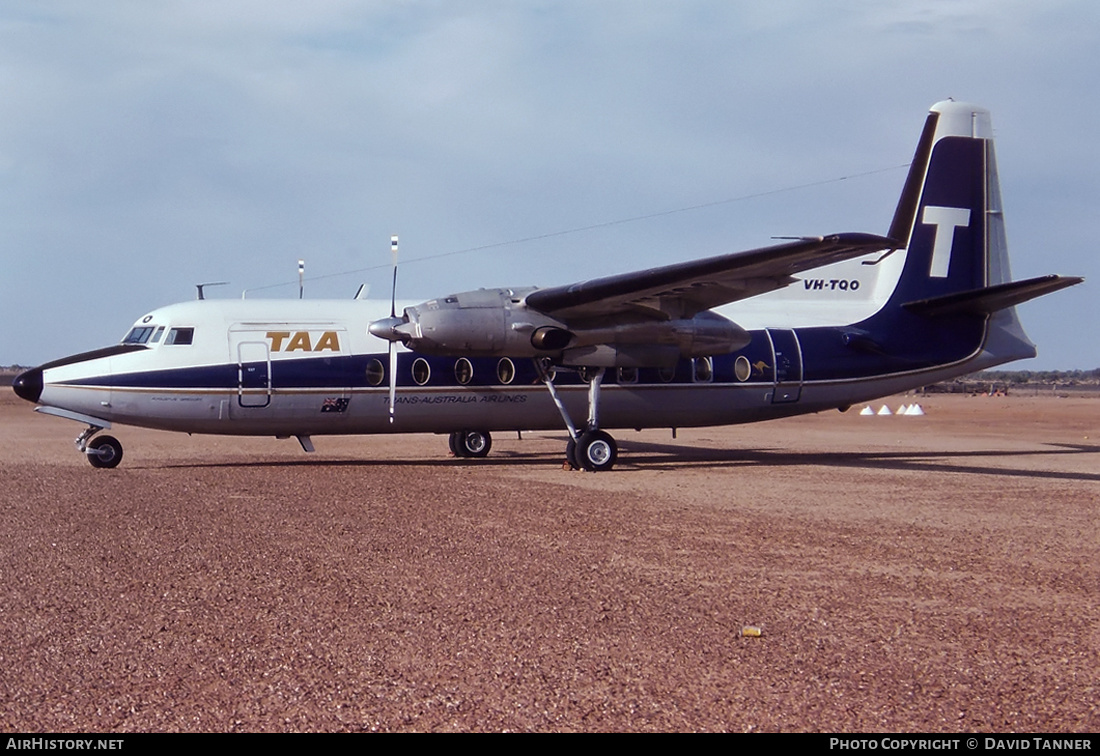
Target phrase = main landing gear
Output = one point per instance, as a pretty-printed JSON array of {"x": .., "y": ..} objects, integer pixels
[
  {"x": 593, "y": 451},
  {"x": 588, "y": 449},
  {"x": 591, "y": 448},
  {"x": 103, "y": 451},
  {"x": 470, "y": 443}
]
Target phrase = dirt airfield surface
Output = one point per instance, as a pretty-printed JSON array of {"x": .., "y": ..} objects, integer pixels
[{"x": 935, "y": 573}]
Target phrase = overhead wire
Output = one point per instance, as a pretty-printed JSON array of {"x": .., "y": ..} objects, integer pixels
[{"x": 594, "y": 226}]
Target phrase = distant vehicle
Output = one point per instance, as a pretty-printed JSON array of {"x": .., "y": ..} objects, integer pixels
[{"x": 930, "y": 300}]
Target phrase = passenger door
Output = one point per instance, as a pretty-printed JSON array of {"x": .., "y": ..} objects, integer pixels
[
  {"x": 787, "y": 358},
  {"x": 253, "y": 373}
]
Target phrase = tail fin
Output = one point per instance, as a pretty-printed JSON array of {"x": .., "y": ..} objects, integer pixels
[
  {"x": 955, "y": 286},
  {"x": 945, "y": 216}
]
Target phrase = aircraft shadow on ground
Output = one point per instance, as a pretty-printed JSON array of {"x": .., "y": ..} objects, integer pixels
[
  {"x": 641, "y": 455},
  {"x": 925, "y": 461}
]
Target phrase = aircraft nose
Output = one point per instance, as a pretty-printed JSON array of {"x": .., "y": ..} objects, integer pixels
[{"x": 28, "y": 385}]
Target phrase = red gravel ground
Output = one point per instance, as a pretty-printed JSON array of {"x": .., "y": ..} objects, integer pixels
[{"x": 937, "y": 573}]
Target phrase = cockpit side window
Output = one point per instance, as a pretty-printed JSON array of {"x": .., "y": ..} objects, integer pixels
[
  {"x": 138, "y": 335},
  {"x": 180, "y": 336},
  {"x": 157, "y": 334}
]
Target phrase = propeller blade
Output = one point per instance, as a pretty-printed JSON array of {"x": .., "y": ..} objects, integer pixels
[
  {"x": 393, "y": 291},
  {"x": 393, "y": 316},
  {"x": 393, "y": 379}
]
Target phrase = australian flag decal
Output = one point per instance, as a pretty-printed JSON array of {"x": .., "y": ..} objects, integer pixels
[{"x": 339, "y": 404}]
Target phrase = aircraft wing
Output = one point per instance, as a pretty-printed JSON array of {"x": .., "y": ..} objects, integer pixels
[{"x": 682, "y": 290}]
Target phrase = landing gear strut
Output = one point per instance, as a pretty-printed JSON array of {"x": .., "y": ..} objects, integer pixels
[{"x": 591, "y": 448}]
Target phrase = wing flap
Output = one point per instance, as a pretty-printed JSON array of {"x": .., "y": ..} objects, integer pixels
[{"x": 682, "y": 290}]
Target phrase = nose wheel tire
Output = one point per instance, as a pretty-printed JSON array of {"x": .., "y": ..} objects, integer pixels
[
  {"x": 470, "y": 444},
  {"x": 104, "y": 452},
  {"x": 596, "y": 451}
]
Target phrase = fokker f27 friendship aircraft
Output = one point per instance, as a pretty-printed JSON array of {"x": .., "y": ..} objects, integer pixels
[{"x": 931, "y": 300}]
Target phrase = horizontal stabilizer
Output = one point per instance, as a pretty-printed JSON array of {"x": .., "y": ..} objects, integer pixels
[{"x": 990, "y": 299}]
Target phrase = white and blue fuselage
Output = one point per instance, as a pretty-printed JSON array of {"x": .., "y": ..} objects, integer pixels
[
  {"x": 813, "y": 324},
  {"x": 300, "y": 367}
]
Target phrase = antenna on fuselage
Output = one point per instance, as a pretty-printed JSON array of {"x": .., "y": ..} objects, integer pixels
[
  {"x": 301, "y": 277},
  {"x": 200, "y": 287}
]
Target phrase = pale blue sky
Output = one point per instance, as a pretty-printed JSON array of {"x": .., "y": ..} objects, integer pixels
[{"x": 146, "y": 147}]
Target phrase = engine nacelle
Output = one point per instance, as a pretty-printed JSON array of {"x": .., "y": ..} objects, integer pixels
[
  {"x": 656, "y": 343},
  {"x": 486, "y": 322},
  {"x": 495, "y": 322}
]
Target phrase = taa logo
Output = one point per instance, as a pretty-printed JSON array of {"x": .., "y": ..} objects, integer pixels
[{"x": 301, "y": 341}]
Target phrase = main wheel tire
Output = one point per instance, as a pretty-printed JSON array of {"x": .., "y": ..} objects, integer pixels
[
  {"x": 452, "y": 442},
  {"x": 597, "y": 451},
  {"x": 571, "y": 455},
  {"x": 473, "y": 443},
  {"x": 104, "y": 452}
]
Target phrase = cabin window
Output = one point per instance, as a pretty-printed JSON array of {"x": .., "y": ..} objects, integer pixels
[
  {"x": 742, "y": 369},
  {"x": 667, "y": 373},
  {"x": 180, "y": 336},
  {"x": 375, "y": 372},
  {"x": 139, "y": 335},
  {"x": 628, "y": 375},
  {"x": 506, "y": 371},
  {"x": 464, "y": 371},
  {"x": 702, "y": 369},
  {"x": 421, "y": 371}
]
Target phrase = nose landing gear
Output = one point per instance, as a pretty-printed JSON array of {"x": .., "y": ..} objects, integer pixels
[{"x": 103, "y": 452}]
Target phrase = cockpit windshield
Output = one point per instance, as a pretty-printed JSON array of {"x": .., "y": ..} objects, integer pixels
[{"x": 139, "y": 334}]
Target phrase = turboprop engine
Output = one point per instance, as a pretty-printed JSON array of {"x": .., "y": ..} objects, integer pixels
[{"x": 496, "y": 322}]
